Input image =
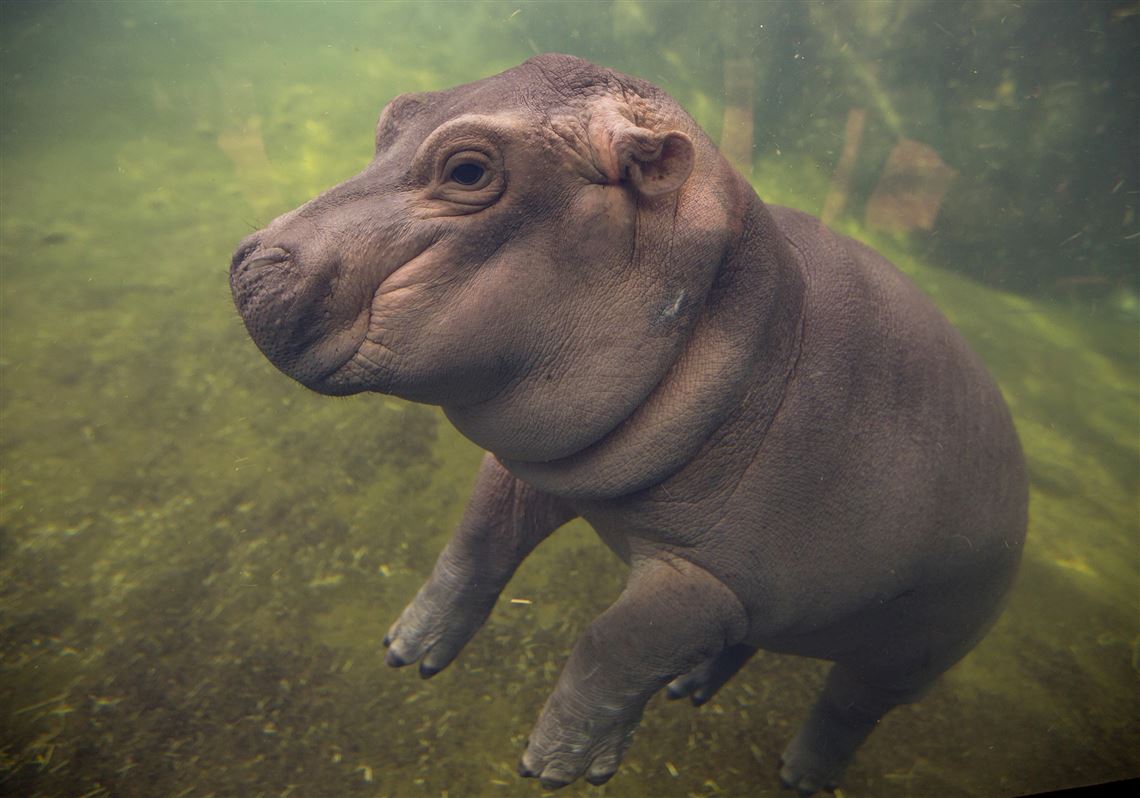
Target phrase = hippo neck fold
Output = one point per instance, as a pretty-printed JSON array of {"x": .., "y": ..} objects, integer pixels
[{"x": 749, "y": 325}]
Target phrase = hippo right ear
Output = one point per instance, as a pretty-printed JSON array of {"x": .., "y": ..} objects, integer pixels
[{"x": 656, "y": 163}]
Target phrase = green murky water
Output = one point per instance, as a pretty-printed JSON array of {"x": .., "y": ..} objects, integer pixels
[{"x": 199, "y": 558}]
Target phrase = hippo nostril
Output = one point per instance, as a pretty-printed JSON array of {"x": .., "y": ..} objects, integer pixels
[
  {"x": 244, "y": 249},
  {"x": 248, "y": 259},
  {"x": 267, "y": 258}
]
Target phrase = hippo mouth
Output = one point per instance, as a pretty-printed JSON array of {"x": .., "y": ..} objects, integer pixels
[{"x": 351, "y": 372}]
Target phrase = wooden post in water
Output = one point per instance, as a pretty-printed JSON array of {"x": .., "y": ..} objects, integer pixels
[
  {"x": 911, "y": 188},
  {"x": 739, "y": 97},
  {"x": 840, "y": 186}
]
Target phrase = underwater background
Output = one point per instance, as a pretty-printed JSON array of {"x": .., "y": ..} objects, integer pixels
[{"x": 199, "y": 558}]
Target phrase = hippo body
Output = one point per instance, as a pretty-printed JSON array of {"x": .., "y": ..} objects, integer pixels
[{"x": 785, "y": 440}]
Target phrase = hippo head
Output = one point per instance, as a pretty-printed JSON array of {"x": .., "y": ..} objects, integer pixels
[{"x": 528, "y": 251}]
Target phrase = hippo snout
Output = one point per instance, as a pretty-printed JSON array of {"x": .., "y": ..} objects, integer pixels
[{"x": 284, "y": 299}]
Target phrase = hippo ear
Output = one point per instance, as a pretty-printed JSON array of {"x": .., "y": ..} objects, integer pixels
[{"x": 656, "y": 163}]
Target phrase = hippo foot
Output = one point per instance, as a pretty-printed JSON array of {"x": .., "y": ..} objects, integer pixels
[
  {"x": 820, "y": 752},
  {"x": 702, "y": 682},
  {"x": 566, "y": 745},
  {"x": 801, "y": 772},
  {"x": 435, "y": 626}
]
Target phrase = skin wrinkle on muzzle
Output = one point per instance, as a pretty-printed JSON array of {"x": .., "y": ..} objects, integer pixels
[{"x": 780, "y": 435}]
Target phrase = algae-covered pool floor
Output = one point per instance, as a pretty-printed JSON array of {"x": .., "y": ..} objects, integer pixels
[{"x": 199, "y": 559}]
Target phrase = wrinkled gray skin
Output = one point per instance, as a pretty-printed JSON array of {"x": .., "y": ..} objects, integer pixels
[{"x": 787, "y": 443}]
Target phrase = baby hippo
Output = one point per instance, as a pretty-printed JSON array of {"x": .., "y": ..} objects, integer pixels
[{"x": 786, "y": 442}]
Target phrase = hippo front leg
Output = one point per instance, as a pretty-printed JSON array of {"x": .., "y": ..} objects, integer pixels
[
  {"x": 503, "y": 522},
  {"x": 671, "y": 616}
]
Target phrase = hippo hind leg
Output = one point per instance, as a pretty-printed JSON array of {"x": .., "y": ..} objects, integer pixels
[
  {"x": 845, "y": 713},
  {"x": 702, "y": 682},
  {"x": 906, "y": 646}
]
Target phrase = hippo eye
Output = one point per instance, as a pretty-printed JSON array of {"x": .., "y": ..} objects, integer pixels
[
  {"x": 467, "y": 174},
  {"x": 469, "y": 181}
]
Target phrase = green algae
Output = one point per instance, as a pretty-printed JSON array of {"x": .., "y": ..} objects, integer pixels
[{"x": 198, "y": 558}]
